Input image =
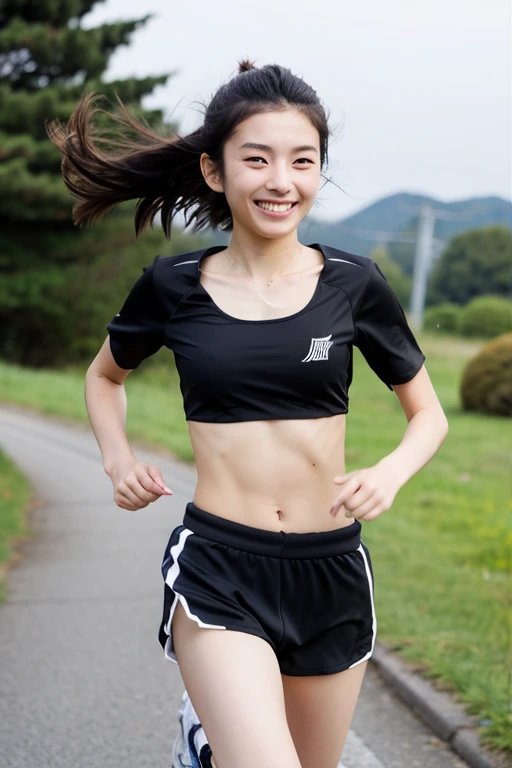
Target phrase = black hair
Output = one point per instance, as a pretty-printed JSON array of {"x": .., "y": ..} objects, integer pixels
[{"x": 163, "y": 173}]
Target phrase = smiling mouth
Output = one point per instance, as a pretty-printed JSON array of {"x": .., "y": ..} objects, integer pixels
[{"x": 276, "y": 207}]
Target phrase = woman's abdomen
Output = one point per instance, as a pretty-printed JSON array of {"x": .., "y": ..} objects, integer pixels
[{"x": 276, "y": 475}]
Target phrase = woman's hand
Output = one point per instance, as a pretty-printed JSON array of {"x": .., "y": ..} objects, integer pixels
[
  {"x": 367, "y": 493},
  {"x": 137, "y": 484}
]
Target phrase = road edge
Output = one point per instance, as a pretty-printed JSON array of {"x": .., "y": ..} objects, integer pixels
[{"x": 444, "y": 717}]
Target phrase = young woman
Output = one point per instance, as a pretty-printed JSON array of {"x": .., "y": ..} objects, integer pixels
[{"x": 268, "y": 606}]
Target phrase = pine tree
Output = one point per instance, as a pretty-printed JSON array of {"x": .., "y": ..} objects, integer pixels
[{"x": 47, "y": 60}]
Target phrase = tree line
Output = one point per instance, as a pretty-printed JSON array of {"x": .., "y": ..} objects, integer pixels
[
  {"x": 476, "y": 262},
  {"x": 59, "y": 285}
]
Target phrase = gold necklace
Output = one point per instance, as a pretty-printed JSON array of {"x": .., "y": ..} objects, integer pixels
[{"x": 278, "y": 274}]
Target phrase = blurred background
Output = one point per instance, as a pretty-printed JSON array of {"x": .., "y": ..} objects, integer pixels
[
  {"x": 419, "y": 179},
  {"x": 420, "y": 169}
]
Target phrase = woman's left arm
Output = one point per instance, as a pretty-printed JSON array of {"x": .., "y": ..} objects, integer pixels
[{"x": 366, "y": 493}]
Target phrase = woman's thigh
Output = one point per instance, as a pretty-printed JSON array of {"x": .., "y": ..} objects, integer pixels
[
  {"x": 319, "y": 710},
  {"x": 235, "y": 686}
]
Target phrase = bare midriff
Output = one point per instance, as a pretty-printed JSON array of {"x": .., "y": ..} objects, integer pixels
[
  {"x": 274, "y": 475},
  {"x": 271, "y": 474}
]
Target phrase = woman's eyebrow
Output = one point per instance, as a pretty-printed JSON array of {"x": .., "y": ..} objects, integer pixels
[{"x": 266, "y": 148}]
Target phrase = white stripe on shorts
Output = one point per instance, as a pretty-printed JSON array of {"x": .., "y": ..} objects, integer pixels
[
  {"x": 170, "y": 579},
  {"x": 374, "y": 618}
]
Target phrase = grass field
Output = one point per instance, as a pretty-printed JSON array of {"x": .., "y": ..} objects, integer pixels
[
  {"x": 14, "y": 496},
  {"x": 442, "y": 555}
]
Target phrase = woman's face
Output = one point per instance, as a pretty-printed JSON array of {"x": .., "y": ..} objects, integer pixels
[{"x": 271, "y": 158}]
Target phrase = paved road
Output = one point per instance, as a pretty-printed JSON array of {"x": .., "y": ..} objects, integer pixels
[{"x": 83, "y": 682}]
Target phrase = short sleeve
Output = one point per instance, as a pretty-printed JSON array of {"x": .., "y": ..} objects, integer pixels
[
  {"x": 137, "y": 330},
  {"x": 383, "y": 334}
]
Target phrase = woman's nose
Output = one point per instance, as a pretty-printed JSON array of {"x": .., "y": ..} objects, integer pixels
[{"x": 279, "y": 180}]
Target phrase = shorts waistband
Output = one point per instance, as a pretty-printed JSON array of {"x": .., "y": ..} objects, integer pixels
[{"x": 272, "y": 543}]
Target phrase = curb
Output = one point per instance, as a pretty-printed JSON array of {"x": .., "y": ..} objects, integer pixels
[{"x": 447, "y": 719}]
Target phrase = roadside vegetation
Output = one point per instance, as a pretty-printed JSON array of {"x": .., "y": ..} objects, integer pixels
[
  {"x": 442, "y": 555},
  {"x": 15, "y": 493}
]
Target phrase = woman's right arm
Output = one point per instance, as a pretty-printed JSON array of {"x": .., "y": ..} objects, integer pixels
[{"x": 136, "y": 484}]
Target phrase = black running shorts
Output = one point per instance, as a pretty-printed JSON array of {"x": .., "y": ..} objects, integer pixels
[{"x": 309, "y": 595}]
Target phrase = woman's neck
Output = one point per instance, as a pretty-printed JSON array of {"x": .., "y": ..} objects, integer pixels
[{"x": 263, "y": 257}]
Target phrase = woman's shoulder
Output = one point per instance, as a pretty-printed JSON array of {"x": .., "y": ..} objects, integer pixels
[
  {"x": 339, "y": 256},
  {"x": 171, "y": 264},
  {"x": 349, "y": 271},
  {"x": 180, "y": 269},
  {"x": 173, "y": 276}
]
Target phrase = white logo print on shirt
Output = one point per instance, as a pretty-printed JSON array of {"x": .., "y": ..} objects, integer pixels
[{"x": 319, "y": 349}]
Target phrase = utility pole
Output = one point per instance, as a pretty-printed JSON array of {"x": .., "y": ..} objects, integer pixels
[
  {"x": 422, "y": 264},
  {"x": 428, "y": 249}
]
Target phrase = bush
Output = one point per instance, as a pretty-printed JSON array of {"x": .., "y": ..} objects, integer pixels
[
  {"x": 486, "y": 383},
  {"x": 444, "y": 318},
  {"x": 486, "y": 316}
]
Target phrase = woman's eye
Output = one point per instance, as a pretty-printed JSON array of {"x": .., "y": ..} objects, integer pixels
[{"x": 301, "y": 160}]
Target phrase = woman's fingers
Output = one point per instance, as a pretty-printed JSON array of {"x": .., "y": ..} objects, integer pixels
[
  {"x": 134, "y": 485},
  {"x": 371, "y": 508},
  {"x": 373, "y": 514},
  {"x": 364, "y": 497},
  {"x": 349, "y": 488},
  {"x": 141, "y": 486},
  {"x": 155, "y": 476},
  {"x": 128, "y": 501}
]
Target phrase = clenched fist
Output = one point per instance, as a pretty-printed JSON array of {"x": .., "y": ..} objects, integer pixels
[{"x": 137, "y": 484}]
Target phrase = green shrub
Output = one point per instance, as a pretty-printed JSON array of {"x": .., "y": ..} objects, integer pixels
[
  {"x": 486, "y": 383},
  {"x": 443, "y": 318},
  {"x": 486, "y": 316}
]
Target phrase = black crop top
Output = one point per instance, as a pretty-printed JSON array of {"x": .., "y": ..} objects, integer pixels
[{"x": 294, "y": 367}]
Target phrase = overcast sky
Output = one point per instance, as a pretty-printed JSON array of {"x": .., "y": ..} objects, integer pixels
[{"x": 419, "y": 92}]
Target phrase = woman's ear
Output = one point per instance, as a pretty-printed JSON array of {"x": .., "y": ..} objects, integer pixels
[{"x": 210, "y": 173}]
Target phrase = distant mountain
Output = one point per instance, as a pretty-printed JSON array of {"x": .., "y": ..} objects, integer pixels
[
  {"x": 392, "y": 221},
  {"x": 397, "y": 217}
]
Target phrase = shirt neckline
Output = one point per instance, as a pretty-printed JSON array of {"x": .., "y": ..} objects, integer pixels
[{"x": 218, "y": 248}]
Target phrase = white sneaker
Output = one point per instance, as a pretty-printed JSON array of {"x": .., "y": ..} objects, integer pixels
[{"x": 190, "y": 748}]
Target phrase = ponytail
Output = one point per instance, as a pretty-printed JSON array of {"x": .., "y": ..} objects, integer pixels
[{"x": 162, "y": 173}]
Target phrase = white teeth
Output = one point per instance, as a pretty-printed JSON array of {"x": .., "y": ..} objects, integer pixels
[{"x": 275, "y": 207}]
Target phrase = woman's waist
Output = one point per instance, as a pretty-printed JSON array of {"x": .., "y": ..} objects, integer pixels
[
  {"x": 298, "y": 504},
  {"x": 277, "y": 543}
]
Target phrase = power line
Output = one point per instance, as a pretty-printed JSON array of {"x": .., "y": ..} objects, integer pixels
[
  {"x": 380, "y": 235},
  {"x": 377, "y": 235},
  {"x": 442, "y": 214}
]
